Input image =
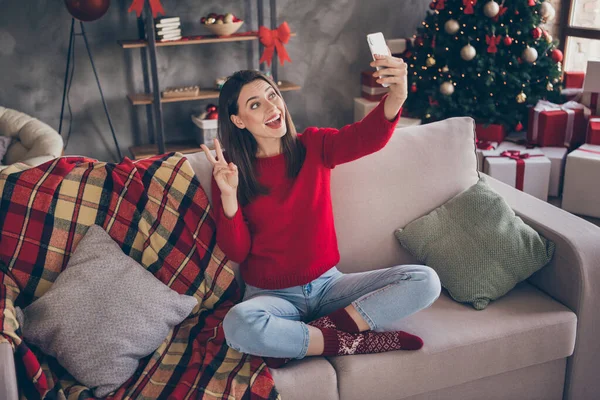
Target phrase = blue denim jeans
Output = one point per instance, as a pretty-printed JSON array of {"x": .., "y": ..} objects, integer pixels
[{"x": 272, "y": 323}]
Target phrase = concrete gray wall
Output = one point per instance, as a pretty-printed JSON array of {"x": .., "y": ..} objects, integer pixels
[{"x": 328, "y": 54}]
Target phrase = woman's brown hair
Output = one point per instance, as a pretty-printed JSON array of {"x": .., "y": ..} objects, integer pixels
[{"x": 239, "y": 144}]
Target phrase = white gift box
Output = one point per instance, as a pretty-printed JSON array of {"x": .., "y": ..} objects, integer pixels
[
  {"x": 581, "y": 192},
  {"x": 362, "y": 107},
  {"x": 484, "y": 149},
  {"x": 557, "y": 157},
  {"x": 591, "y": 87},
  {"x": 529, "y": 164}
]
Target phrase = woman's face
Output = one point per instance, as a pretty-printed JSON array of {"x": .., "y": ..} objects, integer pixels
[{"x": 261, "y": 111}]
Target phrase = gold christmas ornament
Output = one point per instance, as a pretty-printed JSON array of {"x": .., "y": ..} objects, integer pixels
[
  {"x": 445, "y": 68},
  {"x": 549, "y": 87},
  {"x": 447, "y": 88},
  {"x": 451, "y": 26},
  {"x": 430, "y": 62},
  {"x": 521, "y": 98},
  {"x": 491, "y": 9},
  {"x": 468, "y": 52},
  {"x": 427, "y": 116}
]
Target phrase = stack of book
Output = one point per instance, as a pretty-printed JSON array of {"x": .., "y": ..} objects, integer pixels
[{"x": 167, "y": 29}]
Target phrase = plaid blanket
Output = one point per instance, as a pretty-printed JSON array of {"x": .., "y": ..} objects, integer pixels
[{"x": 156, "y": 210}]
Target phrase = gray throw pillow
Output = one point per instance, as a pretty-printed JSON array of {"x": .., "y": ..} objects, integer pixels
[
  {"x": 103, "y": 313},
  {"x": 477, "y": 245},
  {"x": 4, "y": 144}
]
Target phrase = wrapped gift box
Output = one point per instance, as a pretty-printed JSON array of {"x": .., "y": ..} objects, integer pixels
[
  {"x": 554, "y": 125},
  {"x": 573, "y": 80},
  {"x": 399, "y": 47},
  {"x": 593, "y": 131},
  {"x": 369, "y": 88},
  {"x": 484, "y": 148},
  {"x": 591, "y": 87},
  {"x": 362, "y": 107},
  {"x": 527, "y": 170},
  {"x": 557, "y": 157},
  {"x": 490, "y": 133},
  {"x": 581, "y": 193},
  {"x": 405, "y": 122}
]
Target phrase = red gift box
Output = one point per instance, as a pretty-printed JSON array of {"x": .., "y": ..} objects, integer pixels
[
  {"x": 370, "y": 89},
  {"x": 490, "y": 133},
  {"x": 573, "y": 80},
  {"x": 553, "y": 125},
  {"x": 593, "y": 132}
]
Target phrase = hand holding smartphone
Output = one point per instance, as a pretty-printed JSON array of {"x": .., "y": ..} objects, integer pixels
[{"x": 377, "y": 45}]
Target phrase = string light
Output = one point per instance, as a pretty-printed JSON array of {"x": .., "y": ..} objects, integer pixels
[
  {"x": 447, "y": 49},
  {"x": 479, "y": 75}
]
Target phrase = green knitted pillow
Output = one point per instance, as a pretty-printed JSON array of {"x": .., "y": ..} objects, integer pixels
[{"x": 477, "y": 245}]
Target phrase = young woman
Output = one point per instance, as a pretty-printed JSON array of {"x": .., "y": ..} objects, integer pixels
[{"x": 272, "y": 205}]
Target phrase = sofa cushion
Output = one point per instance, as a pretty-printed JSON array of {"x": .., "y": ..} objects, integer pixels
[
  {"x": 419, "y": 169},
  {"x": 477, "y": 245},
  {"x": 462, "y": 345},
  {"x": 103, "y": 314},
  {"x": 310, "y": 378}
]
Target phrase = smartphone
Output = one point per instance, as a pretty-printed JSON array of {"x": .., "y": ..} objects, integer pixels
[{"x": 378, "y": 45}]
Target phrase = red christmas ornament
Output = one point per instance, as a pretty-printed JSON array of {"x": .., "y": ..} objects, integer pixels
[
  {"x": 433, "y": 102},
  {"x": 440, "y": 4},
  {"x": 519, "y": 127},
  {"x": 212, "y": 115},
  {"x": 556, "y": 55},
  {"x": 516, "y": 12},
  {"x": 519, "y": 60},
  {"x": 469, "y": 6},
  {"x": 536, "y": 33},
  {"x": 87, "y": 10},
  {"x": 501, "y": 12},
  {"x": 407, "y": 54},
  {"x": 492, "y": 42},
  {"x": 508, "y": 40},
  {"x": 432, "y": 5},
  {"x": 211, "y": 108},
  {"x": 531, "y": 3},
  {"x": 413, "y": 88}
]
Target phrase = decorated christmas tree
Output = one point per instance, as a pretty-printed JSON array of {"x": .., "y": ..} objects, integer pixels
[{"x": 483, "y": 59}]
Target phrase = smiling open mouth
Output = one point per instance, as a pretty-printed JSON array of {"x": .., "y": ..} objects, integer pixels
[{"x": 274, "y": 122}]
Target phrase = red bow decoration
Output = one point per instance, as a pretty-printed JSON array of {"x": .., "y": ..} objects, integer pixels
[
  {"x": 469, "y": 6},
  {"x": 440, "y": 5},
  {"x": 484, "y": 145},
  {"x": 492, "y": 42},
  {"x": 501, "y": 12},
  {"x": 274, "y": 39},
  {"x": 155, "y": 6}
]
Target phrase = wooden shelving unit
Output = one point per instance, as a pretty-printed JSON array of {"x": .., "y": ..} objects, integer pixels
[
  {"x": 151, "y": 95},
  {"x": 137, "y": 44},
  {"x": 139, "y": 99}
]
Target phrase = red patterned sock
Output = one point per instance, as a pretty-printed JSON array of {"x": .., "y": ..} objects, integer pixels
[
  {"x": 339, "y": 319},
  {"x": 338, "y": 343}
]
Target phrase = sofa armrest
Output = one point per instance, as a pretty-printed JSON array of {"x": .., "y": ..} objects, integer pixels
[
  {"x": 572, "y": 278},
  {"x": 8, "y": 376}
]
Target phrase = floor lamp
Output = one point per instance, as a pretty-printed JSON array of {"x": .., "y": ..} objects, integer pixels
[{"x": 67, "y": 82}]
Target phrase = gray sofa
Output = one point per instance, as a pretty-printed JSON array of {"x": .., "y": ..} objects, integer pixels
[{"x": 537, "y": 342}]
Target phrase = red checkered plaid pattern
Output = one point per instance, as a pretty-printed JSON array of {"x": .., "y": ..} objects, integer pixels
[{"x": 156, "y": 210}]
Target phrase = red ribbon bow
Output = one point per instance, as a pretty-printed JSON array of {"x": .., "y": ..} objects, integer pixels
[
  {"x": 469, "y": 6},
  {"x": 484, "y": 145},
  {"x": 274, "y": 39},
  {"x": 520, "y": 159},
  {"x": 492, "y": 42},
  {"x": 155, "y": 6}
]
